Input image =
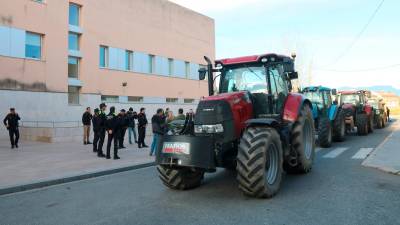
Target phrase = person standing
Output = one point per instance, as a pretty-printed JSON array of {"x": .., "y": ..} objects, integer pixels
[
  {"x": 112, "y": 133},
  {"x": 180, "y": 115},
  {"x": 86, "y": 121},
  {"x": 388, "y": 113},
  {"x": 142, "y": 123},
  {"x": 131, "y": 125},
  {"x": 96, "y": 121},
  {"x": 158, "y": 125},
  {"x": 102, "y": 130},
  {"x": 11, "y": 122},
  {"x": 123, "y": 123}
]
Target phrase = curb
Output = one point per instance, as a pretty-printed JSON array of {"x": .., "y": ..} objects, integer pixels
[{"x": 46, "y": 183}]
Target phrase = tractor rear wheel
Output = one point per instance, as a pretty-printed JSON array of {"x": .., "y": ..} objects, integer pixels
[
  {"x": 180, "y": 179},
  {"x": 302, "y": 142},
  {"x": 324, "y": 133},
  {"x": 362, "y": 124},
  {"x": 259, "y": 162},
  {"x": 339, "y": 127}
]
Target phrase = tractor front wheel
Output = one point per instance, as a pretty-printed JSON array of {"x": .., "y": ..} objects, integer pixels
[
  {"x": 362, "y": 124},
  {"x": 339, "y": 127},
  {"x": 180, "y": 179},
  {"x": 303, "y": 143},
  {"x": 259, "y": 162},
  {"x": 325, "y": 133},
  {"x": 371, "y": 123}
]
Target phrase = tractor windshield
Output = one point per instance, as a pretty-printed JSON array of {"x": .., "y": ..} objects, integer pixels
[
  {"x": 350, "y": 98},
  {"x": 247, "y": 78},
  {"x": 374, "y": 103},
  {"x": 315, "y": 97}
]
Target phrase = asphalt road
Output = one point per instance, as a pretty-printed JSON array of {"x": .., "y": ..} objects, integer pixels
[{"x": 337, "y": 191}]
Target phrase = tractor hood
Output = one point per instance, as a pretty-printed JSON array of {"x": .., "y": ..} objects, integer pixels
[{"x": 348, "y": 106}]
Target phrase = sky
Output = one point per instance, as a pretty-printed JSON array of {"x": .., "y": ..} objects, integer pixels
[{"x": 334, "y": 45}]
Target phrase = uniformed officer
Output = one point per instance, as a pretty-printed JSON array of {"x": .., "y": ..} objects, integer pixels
[
  {"x": 102, "y": 131},
  {"x": 142, "y": 123},
  {"x": 112, "y": 127},
  {"x": 124, "y": 123},
  {"x": 11, "y": 122}
]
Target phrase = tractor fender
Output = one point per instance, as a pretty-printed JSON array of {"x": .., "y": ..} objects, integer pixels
[
  {"x": 368, "y": 110},
  {"x": 270, "y": 122},
  {"x": 332, "y": 112},
  {"x": 293, "y": 105},
  {"x": 315, "y": 110}
]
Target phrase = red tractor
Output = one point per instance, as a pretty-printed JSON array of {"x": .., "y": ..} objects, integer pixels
[
  {"x": 358, "y": 112},
  {"x": 254, "y": 124}
]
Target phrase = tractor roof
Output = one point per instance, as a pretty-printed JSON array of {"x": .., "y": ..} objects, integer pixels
[
  {"x": 254, "y": 58},
  {"x": 316, "y": 88},
  {"x": 352, "y": 92}
]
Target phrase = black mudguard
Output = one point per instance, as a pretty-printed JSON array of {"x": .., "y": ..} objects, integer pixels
[{"x": 186, "y": 151}]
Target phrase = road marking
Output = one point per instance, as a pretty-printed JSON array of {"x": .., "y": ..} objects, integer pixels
[
  {"x": 362, "y": 153},
  {"x": 334, "y": 153}
]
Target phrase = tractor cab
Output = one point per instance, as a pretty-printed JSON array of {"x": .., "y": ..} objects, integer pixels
[
  {"x": 265, "y": 80},
  {"x": 321, "y": 99}
]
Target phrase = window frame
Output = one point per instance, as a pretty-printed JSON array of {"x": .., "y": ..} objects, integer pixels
[
  {"x": 78, "y": 41},
  {"x": 106, "y": 52},
  {"x": 40, "y": 47},
  {"x": 129, "y": 60},
  {"x": 187, "y": 69},
  {"x": 104, "y": 98},
  {"x": 152, "y": 64},
  {"x": 171, "y": 67},
  {"x": 171, "y": 100},
  {"x": 78, "y": 13},
  {"x": 78, "y": 65},
  {"x": 77, "y": 93}
]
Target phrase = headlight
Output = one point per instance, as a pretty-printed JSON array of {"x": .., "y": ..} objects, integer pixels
[{"x": 210, "y": 129}]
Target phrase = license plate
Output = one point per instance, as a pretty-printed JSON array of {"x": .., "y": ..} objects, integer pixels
[{"x": 176, "y": 148}]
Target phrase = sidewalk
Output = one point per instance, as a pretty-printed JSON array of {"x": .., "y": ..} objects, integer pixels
[
  {"x": 35, "y": 162},
  {"x": 386, "y": 156}
]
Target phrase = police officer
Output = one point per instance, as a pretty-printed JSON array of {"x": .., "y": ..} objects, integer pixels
[
  {"x": 96, "y": 128},
  {"x": 112, "y": 127},
  {"x": 123, "y": 122},
  {"x": 11, "y": 122},
  {"x": 142, "y": 123},
  {"x": 101, "y": 120}
]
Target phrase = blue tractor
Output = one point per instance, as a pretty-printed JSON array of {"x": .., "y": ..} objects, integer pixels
[{"x": 329, "y": 119}]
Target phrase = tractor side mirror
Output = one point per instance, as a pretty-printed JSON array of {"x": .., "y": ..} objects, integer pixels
[
  {"x": 202, "y": 73},
  {"x": 293, "y": 75},
  {"x": 334, "y": 92}
]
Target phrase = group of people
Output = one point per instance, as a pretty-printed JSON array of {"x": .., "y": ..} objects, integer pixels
[{"x": 115, "y": 126}]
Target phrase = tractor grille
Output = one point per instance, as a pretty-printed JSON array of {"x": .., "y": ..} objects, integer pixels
[
  {"x": 348, "y": 112},
  {"x": 213, "y": 112}
]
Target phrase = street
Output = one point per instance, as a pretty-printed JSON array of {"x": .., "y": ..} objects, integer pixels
[{"x": 337, "y": 191}]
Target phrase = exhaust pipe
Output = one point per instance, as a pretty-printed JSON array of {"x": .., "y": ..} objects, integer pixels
[{"x": 210, "y": 77}]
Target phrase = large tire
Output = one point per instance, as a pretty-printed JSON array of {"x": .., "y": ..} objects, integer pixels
[
  {"x": 339, "y": 127},
  {"x": 362, "y": 124},
  {"x": 324, "y": 133},
  {"x": 371, "y": 123},
  {"x": 302, "y": 142},
  {"x": 259, "y": 162},
  {"x": 180, "y": 179},
  {"x": 379, "y": 123}
]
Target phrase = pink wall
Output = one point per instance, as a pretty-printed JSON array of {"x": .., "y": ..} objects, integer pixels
[{"x": 156, "y": 27}]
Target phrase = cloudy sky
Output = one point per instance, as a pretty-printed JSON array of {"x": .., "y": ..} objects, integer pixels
[{"x": 338, "y": 43}]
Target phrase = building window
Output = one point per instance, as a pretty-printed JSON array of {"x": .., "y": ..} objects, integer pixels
[
  {"x": 128, "y": 60},
  {"x": 171, "y": 66},
  {"x": 74, "y": 14},
  {"x": 110, "y": 98},
  {"x": 73, "y": 95},
  {"x": 135, "y": 99},
  {"x": 33, "y": 45},
  {"x": 73, "y": 67},
  {"x": 73, "y": 41},
  {"x": 152, "y": 63},
  {"x": 188, "y": 100},
  {"x": 103, "y": 56},
  {"x": 187, "y": 69},
  {"x": 171, "y": 100}
]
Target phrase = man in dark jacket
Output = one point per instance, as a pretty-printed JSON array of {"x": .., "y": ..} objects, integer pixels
[
  {"x": 158, "y": 125},
  {"x": 86, "y": 121},
  {"x": 142, "y": 123},
  {"x": 123, "y": 122},
  {"x": 11, "y": 122},
  {"x": 102, "y": 130},
  {"x": 112, "y": 127},
  {"x": 97, "y": 127},
  {"x": 132, "y": 116}
]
